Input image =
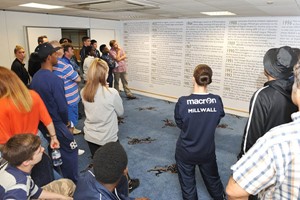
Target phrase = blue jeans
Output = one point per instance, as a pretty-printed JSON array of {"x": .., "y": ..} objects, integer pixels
[
  {"x": 73, "y": 113},
  {"x": 210, "y": 175}
]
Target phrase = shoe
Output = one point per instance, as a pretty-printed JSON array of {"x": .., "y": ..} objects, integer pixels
[
  {"x": 80, "y": 152},
  {"x": 131, "y": 96},
  {"x": 133, "y": 184},
  {"x": 76, "y": 131}
]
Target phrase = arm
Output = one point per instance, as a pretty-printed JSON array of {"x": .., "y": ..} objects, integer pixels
[
  {"x": 256, "y": 170},
  {"x": 71, "y": 74},
  {"x": 235, "y": 191},
  {"x": 78, "y": 79},
  {"x": 82, "y": 54},
  {"x": 15, "y": 67},
  {"x": 51, "y": 195},
  {"x": 61, "y": 102},
  {"x": 222, "y": 113},
  {"x": 85, "y": 66},
  {"x": 46, "y": 119},
  {"x": 109, "y": 60},
  {"x": 21, "y": 72},
  {"x": 254, "y": 128},
  {"x": 118, "y": 104},
  {"x": 120, "y": 55},
  {"x": 177, "y": 116},
  {"x": 54, "y": 143}
]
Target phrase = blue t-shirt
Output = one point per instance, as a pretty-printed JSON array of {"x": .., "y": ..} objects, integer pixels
[
  {"x": 16, "y": 184},
  {"x": 51, "y": 89},
  {"x": 197, "y": 115}
]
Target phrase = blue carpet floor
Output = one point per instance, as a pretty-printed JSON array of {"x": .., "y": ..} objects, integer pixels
[{"x": 148, "y": 117}]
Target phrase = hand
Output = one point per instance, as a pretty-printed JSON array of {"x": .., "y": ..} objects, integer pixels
[{"x": 54, "y": 143}]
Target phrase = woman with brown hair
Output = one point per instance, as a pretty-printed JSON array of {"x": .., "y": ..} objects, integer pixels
[
  {"x": 198, "y": 115},
  {"x": 21, "y": 109},
  {"x": 18, "y": 65}
]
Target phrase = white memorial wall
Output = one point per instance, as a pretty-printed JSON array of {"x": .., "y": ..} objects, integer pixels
[{"x": 161, "y": 55}]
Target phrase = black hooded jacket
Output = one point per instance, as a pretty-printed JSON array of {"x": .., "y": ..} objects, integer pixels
[{"x": 270, "y": 106}]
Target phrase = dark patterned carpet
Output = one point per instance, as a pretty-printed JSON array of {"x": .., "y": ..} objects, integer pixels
[{"x": 148, "y": 134}]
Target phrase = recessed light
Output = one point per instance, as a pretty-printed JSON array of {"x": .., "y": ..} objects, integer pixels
[
  {"x": 42, "y": 6},
  {"x": 218, "y": 13}
]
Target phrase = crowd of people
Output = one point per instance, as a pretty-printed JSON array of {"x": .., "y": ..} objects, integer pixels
[{"x": 43, "y": 102}]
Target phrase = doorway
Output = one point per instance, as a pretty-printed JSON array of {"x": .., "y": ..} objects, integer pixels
[{"x": 75, "y": 35}]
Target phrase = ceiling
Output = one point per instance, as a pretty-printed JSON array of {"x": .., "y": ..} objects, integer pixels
[{"x": 158, "y": 9}]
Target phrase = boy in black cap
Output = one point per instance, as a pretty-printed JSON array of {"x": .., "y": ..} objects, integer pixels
[
  {"x": 271, "y": 105},
  {"x": 51, "y": 89},
  {"x": 110, "y": 166}
]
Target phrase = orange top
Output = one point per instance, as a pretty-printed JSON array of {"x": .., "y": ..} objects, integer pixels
[{"x": 12, "y": 121}]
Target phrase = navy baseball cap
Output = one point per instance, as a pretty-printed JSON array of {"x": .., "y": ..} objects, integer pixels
[{"x": 45, "y": 49}]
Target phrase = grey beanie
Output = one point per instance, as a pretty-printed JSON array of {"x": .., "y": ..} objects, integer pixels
[
  {"x": 110, "y": 161},
  {"x": 279, "y": 62}
]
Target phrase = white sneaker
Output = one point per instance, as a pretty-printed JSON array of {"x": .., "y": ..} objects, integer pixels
[{"x": 80, "y": 152}]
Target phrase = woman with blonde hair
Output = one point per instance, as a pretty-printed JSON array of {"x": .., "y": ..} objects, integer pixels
[
  {"x": 98, "y": 98},
  {"x": 21, "y": 109},
  {"x": 18, "y": 65},
  {"x": 102, "y": 106}
]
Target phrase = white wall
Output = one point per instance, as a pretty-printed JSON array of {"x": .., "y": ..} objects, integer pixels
[
  {"x": 162, "y": 54},
  {"x": 13, "y": 30}
]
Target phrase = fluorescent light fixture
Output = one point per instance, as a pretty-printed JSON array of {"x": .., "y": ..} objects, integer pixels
[
  {"x": 42, "y": 6},
  {"x": 218, "y": 13}
]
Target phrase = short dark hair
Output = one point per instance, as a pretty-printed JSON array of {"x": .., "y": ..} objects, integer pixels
[
  {"x": 101, "y": 48},
  {"x": 65, "y": 40},
  {"x": 88, "y": 50},
  {"x": 20, "y": 148},
  {"x": 203, "y": 75},
  {"x": 40, "y": 39},
  {"x": 110, "y": 161},
  {"x": 93, "y": 41},
  {"x": 66, "y": 46},
  {"x": 85, "y": 38},
  {"x": 34, "y": 63}
]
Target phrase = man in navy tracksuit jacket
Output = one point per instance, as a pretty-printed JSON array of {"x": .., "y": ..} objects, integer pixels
[
  {"x": 51, "y": 89},
  {"x": 107, "y": 180}
]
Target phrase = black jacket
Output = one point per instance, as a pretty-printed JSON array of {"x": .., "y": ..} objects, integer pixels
[
  {"x": 270, "y": 106},
  {"x": 21, "y": 71}
]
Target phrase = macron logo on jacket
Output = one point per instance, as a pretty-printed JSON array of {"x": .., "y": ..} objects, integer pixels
[{"x": 201, "y": 101}]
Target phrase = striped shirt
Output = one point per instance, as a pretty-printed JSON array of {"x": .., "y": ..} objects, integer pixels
[
  {"x": 271, "y": 168},
  {"x": 66, "y": 72},
  {"x": 16, "y": 184}
]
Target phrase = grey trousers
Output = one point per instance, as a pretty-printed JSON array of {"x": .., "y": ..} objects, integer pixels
[{"x": 123, "y": 77}]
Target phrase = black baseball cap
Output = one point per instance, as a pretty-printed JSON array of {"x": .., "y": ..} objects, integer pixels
[{"x": 45, "y": 49}]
